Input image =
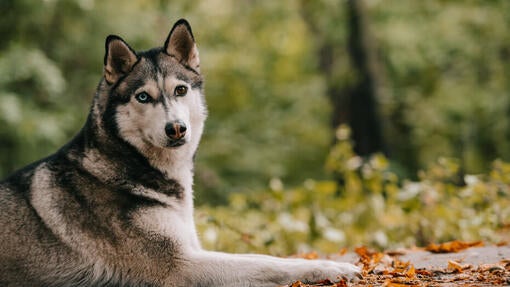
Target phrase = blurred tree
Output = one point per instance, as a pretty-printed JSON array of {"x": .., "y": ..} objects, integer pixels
[
  {"x": 267, "y": 114},
  {"x": 448, "y": 93},
  {"x": 354, "y": 100},
  {"x": 30, "y": 86},
  {"x": 363, "y": 109},
  {"x": 445, "y": 90}
]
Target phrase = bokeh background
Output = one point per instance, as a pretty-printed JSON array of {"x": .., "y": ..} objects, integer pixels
[{"x": 332, "y": 124}]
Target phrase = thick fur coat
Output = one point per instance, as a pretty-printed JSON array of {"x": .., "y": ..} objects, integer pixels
[{"x": 114, "y": 206}]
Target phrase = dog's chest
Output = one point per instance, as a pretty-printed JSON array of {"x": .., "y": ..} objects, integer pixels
[{"x": 173, "y": 222}]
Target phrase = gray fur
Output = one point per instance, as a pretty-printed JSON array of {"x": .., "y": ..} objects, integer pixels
[{"x": 114, "y": 206}]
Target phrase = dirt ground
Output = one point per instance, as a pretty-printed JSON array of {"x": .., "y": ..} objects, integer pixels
[{"x": 449, "y": 264}]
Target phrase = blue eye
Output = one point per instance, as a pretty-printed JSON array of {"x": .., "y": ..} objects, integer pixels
[{"x": 143, "y": 97}]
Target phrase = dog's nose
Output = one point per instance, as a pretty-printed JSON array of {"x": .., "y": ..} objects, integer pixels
[{"x": 175, "y": 130}]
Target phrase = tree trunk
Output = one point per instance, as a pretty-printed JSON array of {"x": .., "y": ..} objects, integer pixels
[
  {"x": 364, "y": 117},
  {"x": 354, "y": 103}
]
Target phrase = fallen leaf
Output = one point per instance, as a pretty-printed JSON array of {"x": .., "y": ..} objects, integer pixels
[
  {"x": 342, "y": 251},
  {"x": 396, "y": 252},
  {"x": 452, "y": 246},
  {"x": 411, "y": 273},
  {"x": 454, "y": 266},
  {"x": 341, "y": 284},
  {"x": 326, "y": 282},
  {"x": 298, "y": 284},
  {"x": 424, "y": 272},
  {"x": 310, "y": 255},
  {"x": 389, "y": 283},
  {"x": 502, "y": 243}
]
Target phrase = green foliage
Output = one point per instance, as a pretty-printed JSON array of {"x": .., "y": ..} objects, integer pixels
[
  {"x": 444, "y": 67},
  {"x": 261, "y": 85},
  {"x": 372, "y": 207},
  {"x": 445, "y": 94},
  {"x": 25, "y": 127},
  {"x": 447, "y": 65}
]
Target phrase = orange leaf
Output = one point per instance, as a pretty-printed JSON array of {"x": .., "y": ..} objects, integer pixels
[
  {"x": 388, "y": 283},
  {"x": 363, "y": 252},
  {"x": 325, "y": 282},
  {"x": 452, "y": 246},
  {"x": 502, "y": 243},
  {"x": 411, "y": 273},
  {"x": 424, "y": 272},
  {"x": 341, "y": 284},
  {"x": 297, "y": 284},
  {"x": 310, "y": 255},
  {"x": 376, "y": 257},
  {"x": 400, "y": 265},
  {"x": 342, "y": 251},
  {"x": 454, "y": 266}
]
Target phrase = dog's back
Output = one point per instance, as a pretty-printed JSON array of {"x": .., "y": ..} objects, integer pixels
[{"x": 29, "y": 251}]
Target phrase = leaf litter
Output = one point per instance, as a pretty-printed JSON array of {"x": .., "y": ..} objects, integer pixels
[{"x": 386, "y": 270}]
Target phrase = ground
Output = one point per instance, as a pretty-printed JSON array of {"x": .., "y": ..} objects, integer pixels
[{"x": 450, "y": 264}]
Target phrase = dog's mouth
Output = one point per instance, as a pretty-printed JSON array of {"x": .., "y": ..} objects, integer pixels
[{"x": 176, "y": 143}]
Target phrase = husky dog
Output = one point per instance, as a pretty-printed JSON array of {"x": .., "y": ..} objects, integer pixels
[{"x": 114, "y": 206}]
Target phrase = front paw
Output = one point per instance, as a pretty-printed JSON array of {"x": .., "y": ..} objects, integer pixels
[
  {"x": 320, "y": 270},
  {"x": 342, "y": 270}
]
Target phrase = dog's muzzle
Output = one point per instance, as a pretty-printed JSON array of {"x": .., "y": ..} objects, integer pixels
[{"x": 176, "y": 131}]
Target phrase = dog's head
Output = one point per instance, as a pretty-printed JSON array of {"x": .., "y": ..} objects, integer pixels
[{"x": 153, "y": 99}]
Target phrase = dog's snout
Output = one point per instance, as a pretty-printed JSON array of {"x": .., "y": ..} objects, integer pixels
[{"x": 176, "y": 130}]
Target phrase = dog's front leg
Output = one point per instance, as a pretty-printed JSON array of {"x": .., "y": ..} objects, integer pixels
[{"x": 206, "y": 268}]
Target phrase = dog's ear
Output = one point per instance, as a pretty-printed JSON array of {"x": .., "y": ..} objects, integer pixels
[
  {"x": 180, "y": 44},
  {"x": 119, "y": 59}
]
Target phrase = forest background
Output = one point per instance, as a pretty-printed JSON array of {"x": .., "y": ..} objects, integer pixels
[{"x": 332, "y": 123}]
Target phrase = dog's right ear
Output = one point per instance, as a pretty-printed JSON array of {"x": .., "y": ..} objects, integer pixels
[{"x": 119, "y": 59}]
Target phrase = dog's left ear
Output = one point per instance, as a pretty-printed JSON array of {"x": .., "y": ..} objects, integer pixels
[{"x": 180, "y": 44}]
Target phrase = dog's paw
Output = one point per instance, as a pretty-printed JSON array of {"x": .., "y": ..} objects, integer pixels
[
  {"x": 319, "y": 270},
  {"x": 341, "y": 270}
]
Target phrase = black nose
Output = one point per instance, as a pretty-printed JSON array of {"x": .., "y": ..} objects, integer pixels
[{"x": 175, "y": 130}]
